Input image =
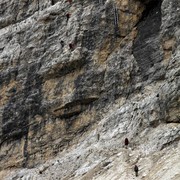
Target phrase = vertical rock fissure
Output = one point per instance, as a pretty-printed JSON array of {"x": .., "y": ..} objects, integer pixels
[
  {"x": 116, "y": 20},
  {"x": 147, "y": 52},
  {"x": 25, "y": 151},
  {"x": 20, "y": 109}
]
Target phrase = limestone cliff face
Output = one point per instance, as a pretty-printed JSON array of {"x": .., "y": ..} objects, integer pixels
[{"x": 78, "y": 77}]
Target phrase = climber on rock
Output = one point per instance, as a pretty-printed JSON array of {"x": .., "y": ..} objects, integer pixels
[
  {"x": 67, "y": 16},
  {"x": 69, "y": 1},
  {"x": 62, "y": 43},
  {"x": 126, "y": 142},
  {"x": 136, "y": 169},
  {"x": 71, "y": 46}
]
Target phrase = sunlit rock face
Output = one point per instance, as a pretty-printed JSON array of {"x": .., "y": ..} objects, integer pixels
[{"x": 78, "y": 77}]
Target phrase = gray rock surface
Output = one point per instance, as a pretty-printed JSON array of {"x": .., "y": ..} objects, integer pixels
[{"x": 72, "y": 89}]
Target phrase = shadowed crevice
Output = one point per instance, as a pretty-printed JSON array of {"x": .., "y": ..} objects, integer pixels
[{"x": 146, "y": 47}]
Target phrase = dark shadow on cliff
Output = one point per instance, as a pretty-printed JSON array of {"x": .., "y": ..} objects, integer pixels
[{"x": 146, "y": 47}]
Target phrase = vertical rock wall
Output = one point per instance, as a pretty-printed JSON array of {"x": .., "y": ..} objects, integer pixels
[{"x": 74, "y": 71}]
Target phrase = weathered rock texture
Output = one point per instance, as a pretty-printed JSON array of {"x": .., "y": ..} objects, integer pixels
[{"x": 72, "y": 89}]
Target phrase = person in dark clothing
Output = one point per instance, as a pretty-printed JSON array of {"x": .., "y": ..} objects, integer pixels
[
  {"x": 62, "y": 44},
  {"x": 70, "y": 1},
  {"x": 136, "y": 169},
  {"x": 126, "y": 142},
  {"x": 71, "y": 46},
  {"x": 67, "y": 16}
]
